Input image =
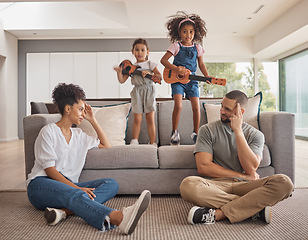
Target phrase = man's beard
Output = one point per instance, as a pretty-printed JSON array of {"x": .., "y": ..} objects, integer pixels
[{"x": 227, "y": 120}]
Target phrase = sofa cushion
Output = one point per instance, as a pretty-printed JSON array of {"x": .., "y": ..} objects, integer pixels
[
  {"x": 165, "y": 122},
  {"x": 182, "y": 156},
  {"x": 266, "y": 158},
  {"x": 38, "y": 108},
  {"x": 251, "y": 115},
  {"x": 185, "y": 128},
  {"x": 113, "y": 120},
  {"x": 122, "y": 157},
  {"x": 143, "y": 136}
]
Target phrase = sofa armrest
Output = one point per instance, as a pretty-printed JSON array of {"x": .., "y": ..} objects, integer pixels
[
  {"x": 279, "y": 131},
  {"x": 32, "y": 126}
]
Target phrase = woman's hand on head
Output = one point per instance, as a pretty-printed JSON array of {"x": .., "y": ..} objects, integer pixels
[{"x": 88, "y": 112}]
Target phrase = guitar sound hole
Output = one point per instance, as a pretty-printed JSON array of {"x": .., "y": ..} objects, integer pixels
[{"x": 179, "y": 76}]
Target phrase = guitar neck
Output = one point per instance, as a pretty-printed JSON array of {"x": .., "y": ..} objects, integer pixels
[
  {"x": 139, "y": 73},
  {"x": 218, "y": 81},
  {"x": 200, "y": 78}
]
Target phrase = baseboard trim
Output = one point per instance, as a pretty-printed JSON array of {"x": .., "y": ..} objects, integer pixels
[{"x": 8, "y": 139}]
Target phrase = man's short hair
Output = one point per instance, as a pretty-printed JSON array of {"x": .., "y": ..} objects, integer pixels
[{"x": 239, "y": 97}]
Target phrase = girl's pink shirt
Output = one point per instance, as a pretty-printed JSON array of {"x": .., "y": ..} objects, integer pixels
[{"x": 174, "y": 49}]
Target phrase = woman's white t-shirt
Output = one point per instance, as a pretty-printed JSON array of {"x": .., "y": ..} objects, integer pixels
[{"x": 52, "y": 150}]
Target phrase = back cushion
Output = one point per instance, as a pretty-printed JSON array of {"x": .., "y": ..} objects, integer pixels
[
  {"x": 38, "y": 108},
  {"x": 185, "y": 124},
  {"x": 143, "y": 136},
  {"x": 112, "y": 119}
]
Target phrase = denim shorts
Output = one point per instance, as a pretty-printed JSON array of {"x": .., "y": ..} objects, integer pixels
[{"x": 190, "y": 89}]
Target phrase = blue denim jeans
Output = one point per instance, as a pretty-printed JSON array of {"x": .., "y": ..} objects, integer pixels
[{"x": 45, "y": 192}]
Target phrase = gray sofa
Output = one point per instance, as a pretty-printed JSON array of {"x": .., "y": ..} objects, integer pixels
[{"x": 162, "y": 169}]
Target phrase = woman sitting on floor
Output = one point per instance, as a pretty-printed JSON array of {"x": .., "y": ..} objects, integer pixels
[{"x": 60, "y": 153}]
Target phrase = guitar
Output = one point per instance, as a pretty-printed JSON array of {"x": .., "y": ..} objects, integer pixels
[
  {"x": 129, "y": 69},
  {"x": 172, "y": 77}
]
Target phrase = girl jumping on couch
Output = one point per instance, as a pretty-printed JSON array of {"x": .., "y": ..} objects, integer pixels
[
  {"x": 186, "y": 33},
  {"x": 143, "y": 93},
  {"x": 60, "y": 153}
]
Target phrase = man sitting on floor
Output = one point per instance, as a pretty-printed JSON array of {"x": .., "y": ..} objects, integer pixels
[{"x": 228, "y": 153}]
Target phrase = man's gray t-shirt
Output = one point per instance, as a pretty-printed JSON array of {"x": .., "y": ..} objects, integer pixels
[{"x": 218, "y": 139}]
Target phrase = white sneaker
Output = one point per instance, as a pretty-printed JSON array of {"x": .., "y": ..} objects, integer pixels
[
  {"x": 53, "y": 216},
  {"x": 175, "y": 138},
  {"x": 134, "y": 142},
  {"x": 154, "y": 144},
  {"x": 132, "y": 214}
]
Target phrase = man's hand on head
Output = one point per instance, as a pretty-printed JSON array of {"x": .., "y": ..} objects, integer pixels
[{"x": 237, "y": 119}]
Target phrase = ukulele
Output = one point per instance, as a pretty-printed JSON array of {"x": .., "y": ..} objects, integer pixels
[
  {"x": 172, "y": 77},
  {"x": 129, "y": 69}
]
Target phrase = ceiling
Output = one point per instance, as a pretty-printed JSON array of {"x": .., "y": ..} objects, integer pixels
[{"x": 136, "y": 18}]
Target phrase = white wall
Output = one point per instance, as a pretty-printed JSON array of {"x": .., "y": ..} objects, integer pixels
[
  {"x": 8, "y": 86},
  {"x": 225, "y": 49},
  {"x": 285, "y": 33},
  {"x": 93, "y": 71}
]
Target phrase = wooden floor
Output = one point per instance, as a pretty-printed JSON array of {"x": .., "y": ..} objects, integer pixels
[{"x": 12, "y": 168}]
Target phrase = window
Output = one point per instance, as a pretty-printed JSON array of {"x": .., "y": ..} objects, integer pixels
[
  {"x": 240, "y": 76},
  {"x": 234, "y": 73},
  {"x": 268, "y": 84},
  {"x": 293, "y": 88}
]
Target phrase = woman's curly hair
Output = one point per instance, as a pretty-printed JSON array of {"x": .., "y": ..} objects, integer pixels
[
  {"x": 67, "y": 94},
  {"x": 173, "y": 26}
]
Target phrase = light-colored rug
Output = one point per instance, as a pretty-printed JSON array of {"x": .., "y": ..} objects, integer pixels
[{"x": 166, "y": 218}]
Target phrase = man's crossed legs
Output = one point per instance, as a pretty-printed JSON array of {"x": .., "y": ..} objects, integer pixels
[{"x": 232, "y": 198}]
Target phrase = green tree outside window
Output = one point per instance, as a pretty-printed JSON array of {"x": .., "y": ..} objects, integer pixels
[{"x": 243, "y": 81}]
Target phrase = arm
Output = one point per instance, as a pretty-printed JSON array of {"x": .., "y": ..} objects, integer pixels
[
  {"x": 164, "y": 61},
  {"x": 248, "y": 159},
  {"x": 53, "y": 173},
  {"x": 121, "y": 78},
  {"x": 206, "y": 167},
  {"x": 104, "y": 142},
  {"x": 157, "y": 73},
  {"x": 202, "y": 66}
]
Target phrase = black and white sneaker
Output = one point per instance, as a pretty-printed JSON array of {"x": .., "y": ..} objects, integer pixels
[
  {"x": 53, "y": 215},
  {"x": 265, "y": 215},
  {"x": 175, "y": 138},
  {"x": 201, "y": 215},
  {"x": 194, "y": 136}
]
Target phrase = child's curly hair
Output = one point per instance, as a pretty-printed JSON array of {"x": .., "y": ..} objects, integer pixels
[
  {"x": 67, "y": 94},
  {"x": 174, "y": 27}
]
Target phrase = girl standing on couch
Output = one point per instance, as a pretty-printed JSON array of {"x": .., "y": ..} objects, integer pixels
[
  {"x": 60, "y": 153},
  {"x": 143, "y": 93},
  {"x": 186, "y": 33}
]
